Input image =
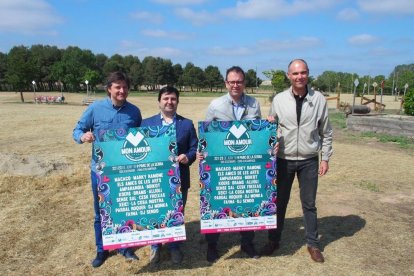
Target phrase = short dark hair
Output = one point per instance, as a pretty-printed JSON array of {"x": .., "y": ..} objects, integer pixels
[
  {"x": 168, "y": 90},
  {"x": 236, "y": 69},
  {"x": 116, "y": 77}
]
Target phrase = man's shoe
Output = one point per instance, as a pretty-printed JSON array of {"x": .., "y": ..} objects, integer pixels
[
  {"x": 316, "y": 254},
  {"x": 176, "y": 256},
  {"x": 250, "y": 251},
  {"x": 212, "y": 254},
  {"x": 155, "y": 255},
  {"x": 269, "y": 248},
  {"x": 100, "y": 258},
  {"x": 128, "y": 254}
]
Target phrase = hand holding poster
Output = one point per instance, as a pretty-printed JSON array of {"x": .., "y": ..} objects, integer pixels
[
  {"x": 237, "y": 176},
  {"x": 139, "y": 187}
]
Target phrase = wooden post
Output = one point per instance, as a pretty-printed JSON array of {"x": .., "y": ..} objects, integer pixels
[{"x": 338, "y": 98}]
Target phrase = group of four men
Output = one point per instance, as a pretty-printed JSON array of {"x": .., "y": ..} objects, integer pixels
[{"x": 304, "y": 148}]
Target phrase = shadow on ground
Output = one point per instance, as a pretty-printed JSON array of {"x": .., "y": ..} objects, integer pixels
[{"x": 331, "y": 228}]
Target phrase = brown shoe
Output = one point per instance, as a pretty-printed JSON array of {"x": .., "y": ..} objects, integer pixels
[
  {"x": 269, "y": 248},
  {"x": 316, "y": 254}
]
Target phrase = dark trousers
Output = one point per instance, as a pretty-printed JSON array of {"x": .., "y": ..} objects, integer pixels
[
  {"x": 246, "y": 237},
  {"x": 307, "y": 173}
]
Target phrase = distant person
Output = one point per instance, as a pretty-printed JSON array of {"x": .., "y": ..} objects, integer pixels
[
  {"x": 233, "y": 106},
  {"x": 112, "y": 112},
  {"x": 304, "y": 133},
  {"x": 168, "y": 98}
]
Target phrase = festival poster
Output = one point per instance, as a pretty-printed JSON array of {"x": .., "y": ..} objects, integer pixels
[
  {"x": 238, "y": 181},
  {"x": 139, "y": 187}
]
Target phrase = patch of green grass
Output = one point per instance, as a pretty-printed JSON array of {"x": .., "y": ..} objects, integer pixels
[
  {"x": 337, "y": 119},
  {"x": 366, "y": 185},
  {"x": 402, "y": 141}
]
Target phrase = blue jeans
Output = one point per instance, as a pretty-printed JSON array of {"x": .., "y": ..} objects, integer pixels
[
  {"x": 307, "y": 173},
  {"x": 174, "y": 245},
  {"x": 97, "y": 220}
]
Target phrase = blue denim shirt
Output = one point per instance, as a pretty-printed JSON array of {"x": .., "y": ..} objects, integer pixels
[{"x": 103, "y": 115}]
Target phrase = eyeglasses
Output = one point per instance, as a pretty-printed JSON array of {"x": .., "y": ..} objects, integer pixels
[{"x": 233, "y": 83}]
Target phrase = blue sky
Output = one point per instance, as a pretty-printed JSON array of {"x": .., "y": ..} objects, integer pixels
[{"x": 367, "y": 37}]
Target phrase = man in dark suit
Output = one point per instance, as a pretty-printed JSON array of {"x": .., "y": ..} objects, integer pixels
[{"x": 168, "y": 98}]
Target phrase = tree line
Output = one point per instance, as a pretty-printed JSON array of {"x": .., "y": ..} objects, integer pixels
[
  {"x": 54, "y": 69},
  {"x": 331, "y": 81}
]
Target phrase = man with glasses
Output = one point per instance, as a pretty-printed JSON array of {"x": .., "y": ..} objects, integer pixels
[
  {"x": 304, "y": 133},
  {"x": 233, "y": 106}
]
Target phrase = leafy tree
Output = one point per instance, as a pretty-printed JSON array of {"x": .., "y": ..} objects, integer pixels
[
  {"x": 252, "y": 80},
  {"x": 409, "y": 102},
  {"x": 150, "y": 67},
  {"x": 186, "y": 76},
  {"x": 279, "y": 80},
  {"x": 93, "y": 77},
  {"x": 72, "y": 67},
  {"x": 114, "y": 63},
  {"x": 43, "y": 58},
  {"x": 100, "y": 60},
  {"x": 213, "y": 77},
  {"x": 3, "y": 67},
  {"x": 165, "y": 72},
  {"x": 20, "y": 69},
  {"x": 197, "y": 77},
  {"x": 178, "y": 72}
]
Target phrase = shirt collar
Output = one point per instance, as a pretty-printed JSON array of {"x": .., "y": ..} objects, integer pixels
[
  {"x": 242, "y": 100},
  {"x": 162, "y": 118}
]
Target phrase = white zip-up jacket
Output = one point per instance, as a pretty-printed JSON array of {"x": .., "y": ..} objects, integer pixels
[{"x": 314, "y": 132}]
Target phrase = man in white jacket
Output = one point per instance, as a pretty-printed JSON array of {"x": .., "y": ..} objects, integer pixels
[{"x": 305, "y": 146}]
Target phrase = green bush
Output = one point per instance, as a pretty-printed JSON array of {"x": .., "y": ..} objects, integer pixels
[{"x": 409, "y": 102}]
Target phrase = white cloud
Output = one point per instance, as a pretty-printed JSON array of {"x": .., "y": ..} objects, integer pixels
[
  {"x": 289, "y": 44},
  {"x": 28, "y": 17},
  {"x": 197, "y": 18},
  {"x": 138, "y": 49},
  {"x": 362, "y": 39},
  {"x": 273, "y": 9},
  {"x": 403, "y": 7},
  {"x": 236, "y": 51},
  {"x": 179, "y": 2},
  {"x": 348, "y": 14},
  {"x": 164, "y": 34},
  {"x": 155, "y": 18}
]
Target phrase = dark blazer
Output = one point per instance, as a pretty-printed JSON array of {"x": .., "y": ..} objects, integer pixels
[{"x": 186, "y": 141}]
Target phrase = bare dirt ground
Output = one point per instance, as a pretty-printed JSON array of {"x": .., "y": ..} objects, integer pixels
[{"x": 365, "y": 204}]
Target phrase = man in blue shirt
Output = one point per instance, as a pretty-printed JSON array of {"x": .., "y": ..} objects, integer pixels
[
  {"x": 168, "y": 98},
  {"x": 113, "y": 112}
]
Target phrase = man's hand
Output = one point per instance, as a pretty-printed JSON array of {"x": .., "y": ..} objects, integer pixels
[
  {"x": 87, "y": 137},
  {"x": 323, "y": 167},
  {"x": 182, "y": 158}
]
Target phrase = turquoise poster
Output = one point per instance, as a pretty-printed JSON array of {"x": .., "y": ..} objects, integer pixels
[
  {"x": 238, "y": 181},
  {"x": 139, "y": 187}
]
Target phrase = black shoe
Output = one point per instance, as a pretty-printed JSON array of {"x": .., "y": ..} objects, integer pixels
[
  {"x": 128, "y": 254},
  {"x": 100, "y": 258},
  {"x": 250, "y": 251},
  {"x": 269, "y": 248},
  {"x": 212, "y": 254}
]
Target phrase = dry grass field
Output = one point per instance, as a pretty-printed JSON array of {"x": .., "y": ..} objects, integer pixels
[{"x": 365, "y": 204}]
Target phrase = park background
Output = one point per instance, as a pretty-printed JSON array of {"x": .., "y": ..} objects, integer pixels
[{"x": 365, "y": 202}]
